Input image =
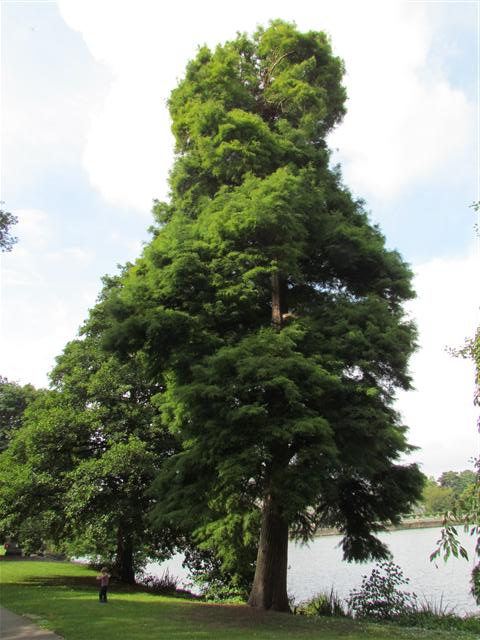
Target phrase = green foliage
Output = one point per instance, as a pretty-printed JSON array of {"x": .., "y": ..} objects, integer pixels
[
  {"x": 14, "y": 399},
  {"x": 437, "y": 499},
  {"x": 326, "y": 603},
  {"x": 219, "y": 580},
  {"x": 458, "y": 482},
  {"x": 379, "y": 596},
  {"x": 251, "y": 107}
]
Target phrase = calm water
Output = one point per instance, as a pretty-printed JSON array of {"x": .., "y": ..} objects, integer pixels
[{"x": 319, "y": 566}]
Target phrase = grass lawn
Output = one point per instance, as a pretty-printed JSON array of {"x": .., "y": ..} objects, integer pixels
[{"x": 63, "y": 597}]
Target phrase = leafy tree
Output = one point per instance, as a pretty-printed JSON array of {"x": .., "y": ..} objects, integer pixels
[
  {"x": 7, "y": 220},
  {"x": 14, "y": 399},
  {"x": 78, "y": 470},
  {"x": 270, "y": 312},
  {"x": 437, "y": 499},
  {"x": 458, "y": 481}
]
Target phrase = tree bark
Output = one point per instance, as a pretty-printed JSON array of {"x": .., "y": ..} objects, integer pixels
[
  {"x": 124, "y": 558},
  {"x": 276, "y": 301},
  {"x": 269, "y": 590}
]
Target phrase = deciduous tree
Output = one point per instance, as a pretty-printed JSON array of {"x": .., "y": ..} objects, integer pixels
[
  {"x": 14, "y": 399},
  {"x": 77, "y": 472}
]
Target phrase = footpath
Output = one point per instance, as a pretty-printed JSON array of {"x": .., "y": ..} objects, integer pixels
[{"x": 13, "y": 627}]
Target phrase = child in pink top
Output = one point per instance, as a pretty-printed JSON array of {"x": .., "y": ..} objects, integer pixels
[{"x": 103, "y": 579}]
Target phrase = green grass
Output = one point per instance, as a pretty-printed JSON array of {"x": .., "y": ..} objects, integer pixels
[{"x": 63, "y": 597}]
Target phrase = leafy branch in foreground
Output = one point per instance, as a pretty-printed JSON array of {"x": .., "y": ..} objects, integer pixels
[{"x": 449, "y": 544}]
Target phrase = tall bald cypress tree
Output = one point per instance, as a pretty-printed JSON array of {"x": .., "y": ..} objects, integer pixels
[{"x": 271, "y": 313}]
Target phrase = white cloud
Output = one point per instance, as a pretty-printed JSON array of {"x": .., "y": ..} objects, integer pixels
[
  {"x": 45, "y": 294},
  {"x": 405, "y": 122},
  {"x": 20, "y": 269},
  {"x": 50, "y": 89},
  {"x": 72, "y": 254},
  {"x": 48, "y": 283},
  {"x": 440, "y": 412},
  {"x": 32, "y": 228}
]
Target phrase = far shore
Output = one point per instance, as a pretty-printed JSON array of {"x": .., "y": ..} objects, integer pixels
[{"x": 411, "y": 523}]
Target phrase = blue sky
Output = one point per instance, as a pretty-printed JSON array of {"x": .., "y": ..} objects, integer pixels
[{"x": 86, "y": 147}]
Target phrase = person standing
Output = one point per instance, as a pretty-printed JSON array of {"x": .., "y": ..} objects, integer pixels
[{"x": 103, "y": 578}]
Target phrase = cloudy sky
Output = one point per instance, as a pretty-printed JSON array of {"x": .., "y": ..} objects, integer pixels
[{"x": 86, "y": 146}]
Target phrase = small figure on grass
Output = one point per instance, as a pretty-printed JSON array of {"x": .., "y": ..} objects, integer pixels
[{"x": 103, "y": 578}]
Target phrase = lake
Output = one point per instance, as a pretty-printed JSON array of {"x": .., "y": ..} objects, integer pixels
[{"x": 319, "y": 566}]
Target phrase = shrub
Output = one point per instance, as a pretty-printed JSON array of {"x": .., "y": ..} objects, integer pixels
[
  {"x": 166, "y": 583},
  {"x": 325, "y": 603},
  {"x": 379, "y": 597},
  {"x": 215, "y": 582}
]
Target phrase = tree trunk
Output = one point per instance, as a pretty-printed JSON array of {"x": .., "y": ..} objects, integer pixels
[
  {"x": 124, "y": 558},
  {"x": 276, "y": 301},
  {"x": 269, "y": 589}
]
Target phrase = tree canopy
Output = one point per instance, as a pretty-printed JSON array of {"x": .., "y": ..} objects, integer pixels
[
  {"x": 14, "y": 399},
  {"x": 458, "y": 481}
]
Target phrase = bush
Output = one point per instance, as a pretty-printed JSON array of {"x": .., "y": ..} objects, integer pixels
[
  {"x": 379, "y": 597},
  {"x": 214, "y": 581},
  {"x": 325, "y": 603},
  {"x": 166, "y": 583}
]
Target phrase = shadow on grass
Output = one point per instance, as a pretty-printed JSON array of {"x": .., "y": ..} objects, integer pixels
[
  {"x": 72, "y": 582},
  {"x": 89, "y": 582},
  {"x": 128, "y": 617}
]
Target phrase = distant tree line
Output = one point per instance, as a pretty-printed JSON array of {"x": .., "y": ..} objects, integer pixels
[{"x": 451, "y": 491}]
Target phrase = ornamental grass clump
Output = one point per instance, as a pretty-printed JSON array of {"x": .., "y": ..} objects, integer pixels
[
  {"x": 379, "y": 596},
  {"x": 324, "y": 603},
  {"x": 165, "y": 583}
]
